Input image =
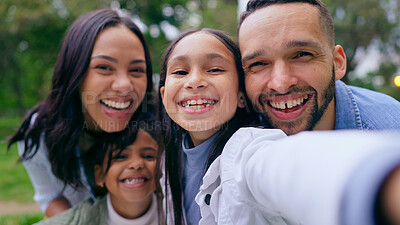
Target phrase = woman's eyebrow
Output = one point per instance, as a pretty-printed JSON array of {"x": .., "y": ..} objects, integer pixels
[{"x": 105, "y": 57}]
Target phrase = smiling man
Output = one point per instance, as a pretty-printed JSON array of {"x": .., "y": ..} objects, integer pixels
[{"x": 293, "y": 70}]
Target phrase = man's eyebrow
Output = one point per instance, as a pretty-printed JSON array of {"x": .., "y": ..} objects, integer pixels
[{"x": 253, "y": 55}]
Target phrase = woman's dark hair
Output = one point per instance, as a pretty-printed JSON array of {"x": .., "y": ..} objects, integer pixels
[
  {"x": 173, "y": 133},
  {"x": 59, "y": 117},
  {"x": 111, "y": 142}
]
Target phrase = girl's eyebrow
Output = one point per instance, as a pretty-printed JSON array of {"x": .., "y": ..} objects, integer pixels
[
  {"x": 106, "y": 57},
  {"x": 150, "y": 148},
  {"x": 208, "y": 56}
]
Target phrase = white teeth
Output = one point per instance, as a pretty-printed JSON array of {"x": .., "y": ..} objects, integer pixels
[
  {"x": 133, "y": 181},
  {"x": 198, "y": 104},
  {"x": 117, "y": 105},
  {"x": 289, "y": 104}
]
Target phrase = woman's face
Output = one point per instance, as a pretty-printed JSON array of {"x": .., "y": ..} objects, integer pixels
[
  {"x": 116, "y": 80},
  {"x": 201, "y": 85}
]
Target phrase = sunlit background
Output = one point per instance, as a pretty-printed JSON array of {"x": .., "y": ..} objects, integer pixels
[{"x": 31, "y": 33}]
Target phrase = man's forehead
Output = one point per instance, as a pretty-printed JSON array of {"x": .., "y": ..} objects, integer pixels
[{"x": 279, "y": 14}]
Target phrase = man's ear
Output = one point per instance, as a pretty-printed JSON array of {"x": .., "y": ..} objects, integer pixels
[
  {"x": 241, "y": 100},
  {"x": 99, "y": 175},
  {"x": 340, "y": 62}
]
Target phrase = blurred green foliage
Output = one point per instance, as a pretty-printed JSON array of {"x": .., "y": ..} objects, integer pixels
[
  {"x": 31, "y": 32},
  {"x": 21, "y": 219}
]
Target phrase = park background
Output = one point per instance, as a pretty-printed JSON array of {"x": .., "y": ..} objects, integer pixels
[{"x": 31, "y": 33}]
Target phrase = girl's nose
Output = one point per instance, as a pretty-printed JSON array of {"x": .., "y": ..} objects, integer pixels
[
  {"x": 136, "y": 164},
  {"x": 196, "y": 80}
]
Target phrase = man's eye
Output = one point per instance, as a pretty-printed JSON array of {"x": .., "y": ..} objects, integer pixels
[
  {"x": 303, "y": 54},
  {"x": 255, "y": 67},
  {"x": 256, "y": 64},
  {"x": 180, "y": 72}
]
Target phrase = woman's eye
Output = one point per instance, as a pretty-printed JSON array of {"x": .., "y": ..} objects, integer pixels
[
  {"x": 137, "y": 70},
  {"x": 103, "y": 67},
  {"x": 180, "y": 72}
]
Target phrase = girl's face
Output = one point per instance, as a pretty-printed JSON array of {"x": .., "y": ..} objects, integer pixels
[
  {"x": 130, "y": 179},
  {"x": 116, "y": 80},
  {"x": 201, "y": 86}
]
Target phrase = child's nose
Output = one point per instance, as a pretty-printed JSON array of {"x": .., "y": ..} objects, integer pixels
[
  {"x": 136, "y": 164},
  {"x": 196, "y": 80}
]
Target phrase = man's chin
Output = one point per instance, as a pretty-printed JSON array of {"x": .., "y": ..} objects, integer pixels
[{"x": 289, "y": 127}]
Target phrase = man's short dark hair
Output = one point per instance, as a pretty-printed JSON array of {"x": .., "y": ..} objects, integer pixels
[{"x": 325, "y": 17}]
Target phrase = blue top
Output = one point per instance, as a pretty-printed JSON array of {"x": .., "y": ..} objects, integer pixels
[
  {"x": 363, "y": 109},
  {"x": 195, "y": 159}
]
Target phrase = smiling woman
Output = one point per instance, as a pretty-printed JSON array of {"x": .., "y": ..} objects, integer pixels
[{"x": 99, "y": 83}]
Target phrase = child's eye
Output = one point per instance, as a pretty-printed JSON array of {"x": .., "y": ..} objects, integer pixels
[
  {"x": 147, "y": 156},
  {"x": 119, "y": 157},
  {"x": 180, "y": 72},
  {"x": 216, "y": 70}
]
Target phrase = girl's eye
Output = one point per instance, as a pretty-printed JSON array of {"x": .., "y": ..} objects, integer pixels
[
  {"x": 180, "y": 72},
  {"x": 216, "y": 70},
  {"x": 148, "y": 156},
  {"x": 119, "y": 157}
]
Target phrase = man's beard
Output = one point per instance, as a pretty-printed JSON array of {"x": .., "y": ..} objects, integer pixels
[{"x": 316, "y": 112}]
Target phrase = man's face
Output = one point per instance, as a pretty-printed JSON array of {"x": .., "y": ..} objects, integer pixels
[{"x": 290, "y": 67}]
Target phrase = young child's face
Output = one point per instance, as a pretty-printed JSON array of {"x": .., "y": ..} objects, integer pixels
[
  {"x": 131, "y": 177},
  {"x": 201, "y": 86}
]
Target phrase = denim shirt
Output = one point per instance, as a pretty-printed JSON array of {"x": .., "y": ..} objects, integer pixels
[{"x": 363, "y": 109}]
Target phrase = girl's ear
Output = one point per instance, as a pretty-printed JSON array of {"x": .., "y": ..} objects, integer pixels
[
  {"x": 241, "y": 100},
  {"x": 98, "y": 175}
]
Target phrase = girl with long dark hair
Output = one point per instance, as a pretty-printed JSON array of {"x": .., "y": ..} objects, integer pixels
[
  {"x": 99, "y": 85},
  {"x": 201, "y": 86}
]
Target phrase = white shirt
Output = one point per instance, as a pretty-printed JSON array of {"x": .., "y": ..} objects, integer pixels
[
  {"x": 300, "y": 179},
  {"x": 149, "y": 218}
]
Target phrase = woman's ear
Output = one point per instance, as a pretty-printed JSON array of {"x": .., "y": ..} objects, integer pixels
[
  {"x": 99, "y": 175},
  {"x": 162, "y": 90},
  {"x": 241, "y": 100}
]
